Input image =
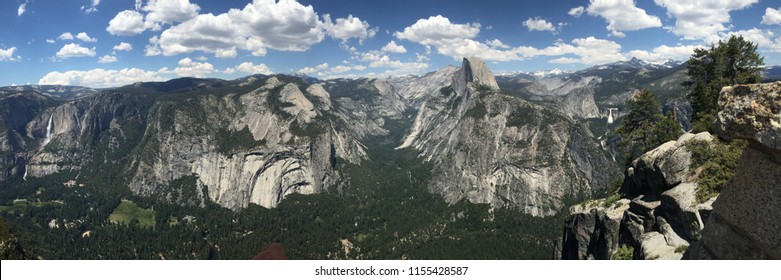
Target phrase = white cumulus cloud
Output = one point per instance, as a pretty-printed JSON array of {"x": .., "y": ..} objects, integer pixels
[
  {"x": 226, "y": 53},
  {"x": 123, "y": 46},
  {"x": 91, "y": 8},
  {"x": 496, "y": 43},
  {"x": 341, "y": 69},
  {"x": 126, "y": 23},
  {"x": 378, "y": 60},
  {"x": 158, "y": 12},
  {"x": 75, "y": 50},
  {"x": 8, "y": 54},
  {"x": 453, "y": 39},
  {"x": 538, "y": 24},
  {"x": 101, "y": 78},
  {"x": 622, "y": 15},
  {"x": 564, "y": 60},
  {"x": 772, "y": 16},
  {"x": 189, "y": 68},
  {"x": 249, "y": 67},
  {"x": 22, "y": 8},
  {"x": 312, "y": 70},
  {"x": 392, "y": 47},
  {"x": 456, "y": 41},
  {"x": 86, "y": 38},
  {"x": 107, "y": 59},
  {"x": 763, "y": 38},
  {"x": 153, "y": 48},
  {"x": 346, "y": 28},
  {"x": 588, "y": 50},
  {"x": 701, "y": 19},
  {"x": 663, "y": 53},
  {"x": 576, "y": 12},
  {"x": 65, "y": 36},
  {"x": 437, "y": 29},
  {"x": 170, "y": 11},
  {"x": 263, "y": 24},
  {"x": 284, "y": 25}
]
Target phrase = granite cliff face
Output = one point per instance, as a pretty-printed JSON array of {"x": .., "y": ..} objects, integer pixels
[
  {"x": 17, "y": 108},
  {"x": 744, "y": 222},
  {"x": 258, "y": 139},
  {"x": 502, "y": 150},
  {"x": 259, "y": 142},
  {"x": 293, "y": 148}
]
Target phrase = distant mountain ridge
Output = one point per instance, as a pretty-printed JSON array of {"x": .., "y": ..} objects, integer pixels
[
  {"x": 56, "y": 92},
  {"x": 259, "y": 138}
]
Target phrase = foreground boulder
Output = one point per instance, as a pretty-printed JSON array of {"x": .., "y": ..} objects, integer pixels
[
  {"x": 744, "y": 222},
  {"x": 663, "y": 167},
  {"x": 592, "y": 231},
  {"x": 658, "y": 218}
]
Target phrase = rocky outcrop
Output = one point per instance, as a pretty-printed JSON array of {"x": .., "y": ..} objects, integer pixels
[
  {"x": 662, "y": 218},
  {"x": 655, "y": 246},
  {"x": 744, "y": 221},
  {"x": 300, "y": 106},
  {"x": 740, "y": 223},
  {"x": 663, "y": 167},
  {"x": 593, "y": 229},
  {"x": 473, "y": 72},
  {"x": 679, "y": 205},
  {"x": 751, "y": 112},
  {"x": 323, "y": 96}
]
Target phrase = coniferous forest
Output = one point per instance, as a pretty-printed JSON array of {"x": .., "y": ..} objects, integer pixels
[{"x": 380, "y": 210}]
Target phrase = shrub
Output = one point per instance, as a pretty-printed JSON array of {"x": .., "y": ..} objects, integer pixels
[
  {"x": 311, "y": 130},
  {"x": 483, "y": 88},
  {"x": 624, "y": 252},
  {"x": 716, "y": 162},
  {"x": 477, "y": 112},
  {"x": 523, "y": 115},
  {"x": 611, "y": 199},
  {"x": 446, "y": 91},
  {"x": 229, "y": 141}
]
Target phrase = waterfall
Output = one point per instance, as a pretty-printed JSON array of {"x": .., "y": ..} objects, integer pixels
[
  {"x": 24, "y": 177},
  {"x": 610, "y": 115},
  {"x": 49, "y": 128}
]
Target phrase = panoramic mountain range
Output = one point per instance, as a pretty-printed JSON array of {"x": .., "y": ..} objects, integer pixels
[
  {"x": 531, "y": 143},
  {"x": 523, "y": 141}
]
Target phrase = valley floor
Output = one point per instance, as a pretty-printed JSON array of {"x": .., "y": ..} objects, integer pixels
[{"x": 381, "y": 210}]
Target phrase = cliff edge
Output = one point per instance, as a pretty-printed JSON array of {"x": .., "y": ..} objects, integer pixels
[{"x": 744, "y": 223}]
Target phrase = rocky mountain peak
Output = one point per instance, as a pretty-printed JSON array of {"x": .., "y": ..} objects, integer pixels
[
  {"x": 473, "y": 70},
  {"x": 301, "y": 107}
]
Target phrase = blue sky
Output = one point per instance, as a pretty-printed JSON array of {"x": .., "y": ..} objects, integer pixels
[{"x": 115, "y": 42}]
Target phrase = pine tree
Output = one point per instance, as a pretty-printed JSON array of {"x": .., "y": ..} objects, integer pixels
[
  {"x": 636, "y": 126},
  {"x": 644, "y": 127},
  {"x": 668, "y": 128},
  {"x": 735, "y": 61}
]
